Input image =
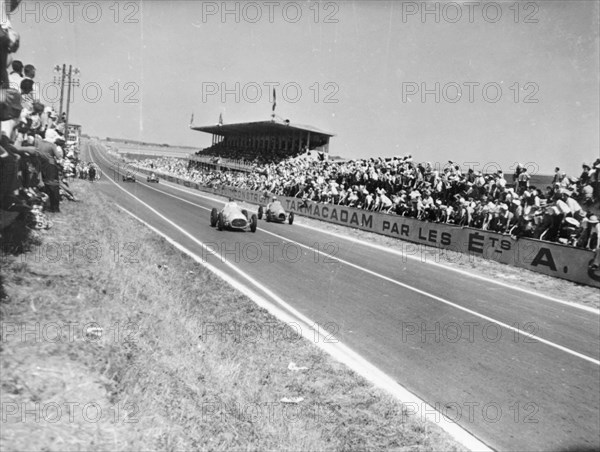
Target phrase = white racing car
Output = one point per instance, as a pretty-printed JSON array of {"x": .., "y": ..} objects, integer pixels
[
  {"x": 233, "y": 217},
  {"x": 275, "y": 212}
]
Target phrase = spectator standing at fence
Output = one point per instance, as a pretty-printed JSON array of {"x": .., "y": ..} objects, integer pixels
[
  {"x": 29, "y": 72},
  {"x": 523, "y": 181},
  {"x": 49, "y": 155},
  {"x": 557, "y": 176},
  {"x": 92, "y": 173},
  {"x": 16, "y": 75},
  {"x": 590, "y": 233},
  {"x": 51, "y": 134},
  {"x": 27, "y": 95}
]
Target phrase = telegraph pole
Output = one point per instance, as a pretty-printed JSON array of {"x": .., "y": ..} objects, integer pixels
[
  {"x": 73, "y": 80},
  {"x": 59, "y": 78},
  {"x": 70, "y": 78},
  {"x": 68, "y": 102}
]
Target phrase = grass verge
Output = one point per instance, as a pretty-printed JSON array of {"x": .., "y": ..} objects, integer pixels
[{"x": 114, "y": 340}]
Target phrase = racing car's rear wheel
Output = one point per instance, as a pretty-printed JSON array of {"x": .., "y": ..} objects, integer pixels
[
  {"x": 214, "y": 217},
  {"x": 291, "y": 218},
  {"x": 220, "y": 223},
  {"x": 253, "y": 223},
  {"x": 245, "y": 212},
  {"x": 260, "y": 213}
]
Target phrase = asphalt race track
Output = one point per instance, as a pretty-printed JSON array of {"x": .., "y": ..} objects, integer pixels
[{"x": 516, "y": 369}]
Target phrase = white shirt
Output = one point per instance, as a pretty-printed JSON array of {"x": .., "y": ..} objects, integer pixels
[
  {"x": 15, "y": 81},
  {"x": 51, "y": 135}
]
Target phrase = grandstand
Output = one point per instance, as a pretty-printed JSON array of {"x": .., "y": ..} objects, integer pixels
[{"x": 262, "y": 142}]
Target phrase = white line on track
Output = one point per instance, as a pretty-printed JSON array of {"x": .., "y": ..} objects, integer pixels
[
  {"x": 406, "y": 286},
  {"x": 337, "y": 350}
]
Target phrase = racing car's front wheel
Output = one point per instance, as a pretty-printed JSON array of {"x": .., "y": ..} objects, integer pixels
[
  {"x": 220, "y": 222},
  {"x": 291, "y": 218},
  {"x": 260, "y": 213},
  {"x": 214, "y": 217},
  {"x": 253, "y": 223}
]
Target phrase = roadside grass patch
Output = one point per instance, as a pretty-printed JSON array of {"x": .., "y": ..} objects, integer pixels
[{"x": 127, "y": 326}]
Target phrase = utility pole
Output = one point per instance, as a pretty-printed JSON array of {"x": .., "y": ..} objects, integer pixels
[
  {"x": 70, "y": 78},
  {"x": 59, "y": 78},
  {"x": 68, "y": 102}
]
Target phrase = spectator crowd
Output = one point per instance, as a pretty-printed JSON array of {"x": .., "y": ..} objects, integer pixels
[
  {"x": 563, "y": 211},
  {"x": 35, "y": 159}
]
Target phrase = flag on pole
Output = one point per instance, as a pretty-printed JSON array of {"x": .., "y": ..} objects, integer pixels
[
  {"x": 274, "y": 100},
  {"x": 220, "y": 119}
]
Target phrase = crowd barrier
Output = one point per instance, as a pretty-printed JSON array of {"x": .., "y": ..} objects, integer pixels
[{"x": 454, "y": 242}]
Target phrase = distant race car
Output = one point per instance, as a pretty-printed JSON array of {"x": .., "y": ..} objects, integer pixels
[
  {"x": 233, "y": 217},
  {"x": 129, "y": 177},
  {"x": 275, "y": 212},
  {"x": 152, "y": 178}
]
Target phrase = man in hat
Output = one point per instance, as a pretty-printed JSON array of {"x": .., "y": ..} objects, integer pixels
[
  {"x": 590, "y": 231},
  {"x": 585, "y": 175},
  {"x": 573, "y": 205}
]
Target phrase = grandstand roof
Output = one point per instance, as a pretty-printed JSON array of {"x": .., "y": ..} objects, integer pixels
[{"x": 259, "y": 127}]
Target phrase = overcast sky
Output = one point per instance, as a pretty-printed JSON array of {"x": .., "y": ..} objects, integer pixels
[{"x": 516, "y": 81}]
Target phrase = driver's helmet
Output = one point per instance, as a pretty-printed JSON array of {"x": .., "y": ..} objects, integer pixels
[
  {"x": 231, "y": 200},
  {"x": 274, "y": 198}
]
